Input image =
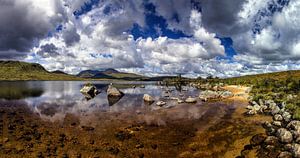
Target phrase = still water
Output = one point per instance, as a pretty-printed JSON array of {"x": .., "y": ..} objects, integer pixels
[{"x": 54, "y": 99}]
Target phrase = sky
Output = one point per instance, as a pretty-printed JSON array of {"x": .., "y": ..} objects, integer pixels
[{"x": 195, "y": 38}]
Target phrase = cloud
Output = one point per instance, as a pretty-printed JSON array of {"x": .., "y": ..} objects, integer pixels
[
  {"x": 48, "y": 50},
  {"x": 73, "y": 35},
  {"x": 22, "y": 24}
]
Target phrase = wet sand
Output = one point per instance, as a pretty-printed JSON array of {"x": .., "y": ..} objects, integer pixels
[{"x": 213, "y": 129}]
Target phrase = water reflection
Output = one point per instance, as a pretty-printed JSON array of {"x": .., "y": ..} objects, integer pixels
[
  {"x": 19, "y": 90},
  {"x": 54, "y": 99}
]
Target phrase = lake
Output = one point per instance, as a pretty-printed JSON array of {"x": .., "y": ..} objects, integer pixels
[{"x": 53, "y": 119}]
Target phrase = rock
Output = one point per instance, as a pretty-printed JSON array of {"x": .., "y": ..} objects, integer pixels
[
  {"x": 161, "y": 103},
  {"x": 249, "y": 107},
  {"x": 179, "y": 101},
  {"x": 148, "y": 98},
  {"x": 277, "y": 123},
  {"x": 257, "y": 139},
  {"x": 271, "y": 140},
  {"x": 296, "y": 150},
  {"x": 294, "y": 125},
  {"x": 87, "y": 128},
  {"x": 278, "y": 117},
  {"x": 257, "y": 108},
  {"x": 251, "y": 112},
  {"x": 208, "y": 94},
  {"x": 288, "y": 147},
  {"x": 286, "y": 116},
  {"x": 142, "y": 86},
  {"x": 191, "y": 100},
  {"x": 226, "y": 94},
  {"x": 89, "y": 91},
  {"x": 284, "y": 135},
  {"x": 274, "y": 109},
  {"x": 261, "y": 102},
  {"x": 114, "y": 92},
  {"x": 285, "y": 154}
]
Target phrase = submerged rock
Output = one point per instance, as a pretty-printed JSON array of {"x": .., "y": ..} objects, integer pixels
[
  {"x": 161, "y": 103},
  {"x": 208, "y": 94},
  {"x": 257, "y": 139},
  {"x": 296, "y": 150},
  {"x": 148, "y": 98},
  {"x": 191, "y": 100},
  {"x": 89, "y": 91}
]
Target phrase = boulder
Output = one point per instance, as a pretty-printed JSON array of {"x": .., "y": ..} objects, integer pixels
[
  {"x": 285, "y": 154},
  {"x": 161, "y": 103},
  {"x": 208, "y": 94},
  {"x": 226, "y": 94},
  {"x": 251, "y": 112},
  {"x": 271, "y": 140},
  {"x": 191, "y": 100},
  {"x": 257, "y": 108},
  {"x": 294, "y": 125},
  {"x": 286, "y": 116},
  {"x": 274, "y": 109},
  {"x": 179, "y": 101},
  {"x": 284, "y": 135},
  {"x": 113, "y": 91},
  {"x": 296, "y": 150},
  {"x": 278, "y": 117},
  {"x": 257, "y": 139},
  {"x": 277, "y": 123},
  {"x": 148, "y": 98},
  {"x": 89, "y": 91}
]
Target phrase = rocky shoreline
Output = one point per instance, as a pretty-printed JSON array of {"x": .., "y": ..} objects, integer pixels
[{"x": 282, "y": 134}]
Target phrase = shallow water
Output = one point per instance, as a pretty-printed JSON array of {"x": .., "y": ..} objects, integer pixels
[
  {"x": 54, "y": 99},
  {"x": 53, "y": 119}
]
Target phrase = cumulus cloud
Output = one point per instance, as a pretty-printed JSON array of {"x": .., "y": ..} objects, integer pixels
[
  {"x": 48, "y": 50},
  {"x": 73, "y": 35}
]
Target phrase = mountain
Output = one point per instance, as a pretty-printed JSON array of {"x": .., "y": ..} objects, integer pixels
[
  {"x": 109, "y": 74},
  {"x": 17, "y": 70},
  {"x": 58, "y": 72}
]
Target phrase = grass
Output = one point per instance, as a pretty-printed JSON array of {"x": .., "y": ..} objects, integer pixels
[
  {"x": 16, "y": 70},
  {"x": 282, "y": 87}
]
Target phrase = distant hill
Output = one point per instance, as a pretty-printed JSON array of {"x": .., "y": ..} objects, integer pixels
[
  {"x": 58, "y": 72},
  {"x": 109, "y": 74},
  {"x": 17, "y": 70}
]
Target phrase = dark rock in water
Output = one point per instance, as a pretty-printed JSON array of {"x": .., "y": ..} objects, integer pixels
[
  {"x": 138, "y": 146},
  {"x": 123, "y": 135},
  {"x": 257, "y": 139},
  {"x": 248, "y": 147},
  {"x": 114, "y": 150},
  {"x": 87, "y": 128},
  {"x": 154, "y": 146},
  {"x": 89, "y": 91}
]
